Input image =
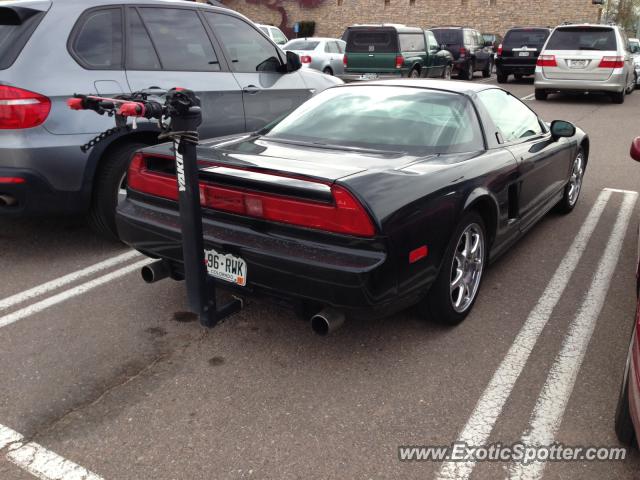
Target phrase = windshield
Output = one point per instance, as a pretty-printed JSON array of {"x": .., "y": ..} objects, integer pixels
[
  {"x": 582, "y": 39},
  {"x": 305, "y": 45},
  {"x": 522, "y": 38},
  {"x": 388, "y": 118}
]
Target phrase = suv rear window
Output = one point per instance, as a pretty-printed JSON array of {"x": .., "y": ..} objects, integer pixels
[
  {"x": 582, "y": 38},
  {"x": 16, "y": 27},
  {"x": 521, "y": 38},
  {"x": 381, "y": 41},
  {"x": 448, "y": 36}
]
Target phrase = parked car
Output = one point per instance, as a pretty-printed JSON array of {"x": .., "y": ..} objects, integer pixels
[
  {"x": 323, "y": 54},
  {"x": 634, "y": 48},
  {"x": 53, "y": 49},
  {"x": 392, "y": 51},
  {"x": 627, "y": 417},
  {"x": 334, "y": 206},
  {"x": 518, "y": 53},
  {"x": 492, "y": 41},
  {"x": 586, "y": 58},
  {"x": 470, "y": 54},
  {"x": 274, "y": 33}
]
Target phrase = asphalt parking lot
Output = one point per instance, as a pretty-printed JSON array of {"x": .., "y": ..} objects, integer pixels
[{"x": 103, "y": 376}]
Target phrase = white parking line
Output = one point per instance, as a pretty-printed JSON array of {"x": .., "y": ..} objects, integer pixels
[
  {"x": 39, "y": 461},
  {"x": 528, "y": 97},
  {"x": 494, "y": 397},
  {"x": 72, "y": 292},
  {"x": 551, "y": 404},
  {"x": 65, "y": 280}
]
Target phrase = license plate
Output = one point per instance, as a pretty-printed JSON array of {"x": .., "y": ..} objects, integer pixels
[
  {"x": 577, "y": 63},
  {"x": 523, "y": 54},
  {"x": 368, "y": 76},
  {"x": 226, "y": 267}
]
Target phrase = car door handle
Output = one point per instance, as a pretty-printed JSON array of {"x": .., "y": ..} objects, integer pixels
[{"x": 251, "y": 89}]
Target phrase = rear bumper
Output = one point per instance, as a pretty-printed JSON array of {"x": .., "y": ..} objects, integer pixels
[
  {"x": 508, "y": 66},
  {"x": 357, "y": 77},
  {"x": 352, "y": 279},
  {"x": 615, "y": 83}
]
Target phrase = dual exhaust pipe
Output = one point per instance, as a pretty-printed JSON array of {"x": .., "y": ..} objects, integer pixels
[
  {"x": 7, "y": 201},
  {"x": 326, "y": 321}
]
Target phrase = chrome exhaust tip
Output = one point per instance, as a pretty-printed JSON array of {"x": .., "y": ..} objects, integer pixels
[
  {"x": 155, "y": 271},
  {"x": 327, "y": 321}
]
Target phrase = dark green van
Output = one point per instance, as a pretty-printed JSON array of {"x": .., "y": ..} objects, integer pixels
[{"x": 393, "y": 51}]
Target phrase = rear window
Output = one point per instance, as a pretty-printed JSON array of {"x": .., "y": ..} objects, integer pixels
[
  {"x": 522, "y": 38},
  {"x": 381, "y": 41},
  {"x": 394, "y": 119},
  {"x": 305, "y": 45},
  {"x": 577, "y": 38},
  {"x": 448, "y": 37},
  {"x": 16, "y": 27}
]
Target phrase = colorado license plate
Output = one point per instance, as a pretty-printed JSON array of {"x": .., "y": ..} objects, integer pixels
[
  {"x": 523, "y": 54},
  {"x": 226, "y": 267},
  {"x": 368, "y": 76},
  {"x": 578, "y": 63}
]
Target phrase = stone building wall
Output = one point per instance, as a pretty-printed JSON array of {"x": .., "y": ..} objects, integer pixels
[{"x": 333, "y": 16}]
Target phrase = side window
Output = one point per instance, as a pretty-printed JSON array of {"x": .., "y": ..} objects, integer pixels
[
  {"x": 97, "y": 43},
  {"x": 181, "y": 40},
  {"x": 468, "y": 38},
  {"x": 140, "y": 52},
  {"x": 513, "y": 118},
  {"x": 341, "y": 46},
  {"x": 278, "y": 36},
  {"x": 431, "y": 40},
  {"x": 411, "y": 42},
  {"x": 247, "y": 50},
  {"x": 335, "y": 47},
  {"x": 328, "y": 47}
]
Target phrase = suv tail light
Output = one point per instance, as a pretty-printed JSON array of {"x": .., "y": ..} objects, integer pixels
[
  {"x": 21, "y": 108},
  {"x": 344, "y": 215},
  {"x": 546, "y": 61},
  {"x": 399, "y": 61},
  {"x": 305, "y": 59},
  {"x": 463, "y": 52},
  {"x": 344, "y": 60},
  {"x": 499, "y": 53},
  {"x": 611, "y": 62}
]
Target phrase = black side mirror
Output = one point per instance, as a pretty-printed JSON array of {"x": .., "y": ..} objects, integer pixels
[
  {"x": 561, "y": 128},
  {"x": 293, "y": 61}
]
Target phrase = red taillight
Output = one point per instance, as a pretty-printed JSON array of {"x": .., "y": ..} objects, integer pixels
[
  {"x": 499, "y": 53},
  {"x": 611, "y": 62},
  {"x": 22, "y": 109},
  {"x": 399, "y": 61},
  {"x": 12, "y": 180},
  {"x": 463, "y": 52},
  {"x": 344, "y": 60},
  {"x": 305, "y": 59},
  {"x": 344, "y": 215},
  {"x": 546, "y": 61}
]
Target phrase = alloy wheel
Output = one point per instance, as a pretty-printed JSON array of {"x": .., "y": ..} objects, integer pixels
[
  {"x": 467, "y": 267},
  {"x": 575, "y": 182}
]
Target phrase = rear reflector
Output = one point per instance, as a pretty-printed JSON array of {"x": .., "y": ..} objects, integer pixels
[
  {"x": 305, "y": 59},
  {"x": 399, "y": 61},
  {"x": 611, "y": 62},
  {"x": 418, "y": 253},
  {"x": 463, "y": 52},
  {"x": 344, "y": 215},
  {"x": 22, "y": 109},
  {"x": 546, "y": 61},
  {"x": 344, "y": 60},
  {"x": 499, "y": 53},
  {"x": 13, "y": 180}
]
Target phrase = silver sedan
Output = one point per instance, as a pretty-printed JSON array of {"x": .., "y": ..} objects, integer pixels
[{"x": 323, "y": 54}]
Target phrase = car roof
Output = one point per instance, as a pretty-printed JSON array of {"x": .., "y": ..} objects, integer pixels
[
  {"x": 398, "y": 27},
  {"x": 453, "y": 86},
  {"x": 316, "y": 38},
  {"x": 94, "y": 3}
]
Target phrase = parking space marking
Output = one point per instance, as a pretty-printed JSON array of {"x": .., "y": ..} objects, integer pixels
[
  {"x": 39, "y": 461},
  {"x": 618, "y": 190},
  {"x": 489, "y": 407},
  {"x": 531, "y": 96},
  {"x": 65, "y": 280},
  {"x": 70, "y": 293},
  {"x": 550, "y": 406}
]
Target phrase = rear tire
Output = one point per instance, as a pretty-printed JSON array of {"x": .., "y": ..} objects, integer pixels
[
  {"x": 632, "y": 87},
  {"x": 540, "y": 94},
  {"x": 623, "y": 422},
  {"x": 467, "y": 71},
  {"x": 327, "y": 71},
  {"x": 518, "y": 76},
  {"x": 618, "y": 97},
  {"x": 502, "y": 77},
  {"x": 107, "y": 188},
  {"x": 414, "y": 73},
  {"x": 446, "y": 73},
  {"x": 439, "y": 304}
]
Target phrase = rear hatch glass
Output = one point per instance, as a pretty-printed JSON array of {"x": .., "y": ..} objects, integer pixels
[
  {"x": 524, "y": 45},
  {"x": 303, "y": 45},
  {"x": 581, "y": 38},
  {"x": 372, "y": 40},
  {"x": 16, "y": 26},
  {"x": 452, "y": 39}
]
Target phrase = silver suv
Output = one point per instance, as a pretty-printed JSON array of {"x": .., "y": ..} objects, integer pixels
[
  {"x": 585, "y": 58},
  {"x": 51, "y": 49}
]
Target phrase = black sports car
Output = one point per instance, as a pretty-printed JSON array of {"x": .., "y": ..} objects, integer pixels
[{"x": 368, "y": 198}]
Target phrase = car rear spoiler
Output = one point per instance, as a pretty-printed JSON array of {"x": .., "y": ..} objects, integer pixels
[{"x": 17, "y": 14}]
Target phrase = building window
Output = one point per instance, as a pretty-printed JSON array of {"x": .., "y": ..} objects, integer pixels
[
  {"x": 412, "y": 3},
  {"x": 339, "y": 3},
  {"x": 493, "y": 3},
  {"x": 464, "y": 2},
  {"x": 387, "y": 3}
]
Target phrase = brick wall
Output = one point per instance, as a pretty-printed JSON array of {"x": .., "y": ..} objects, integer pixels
[{"x": 333, "y": 16}]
